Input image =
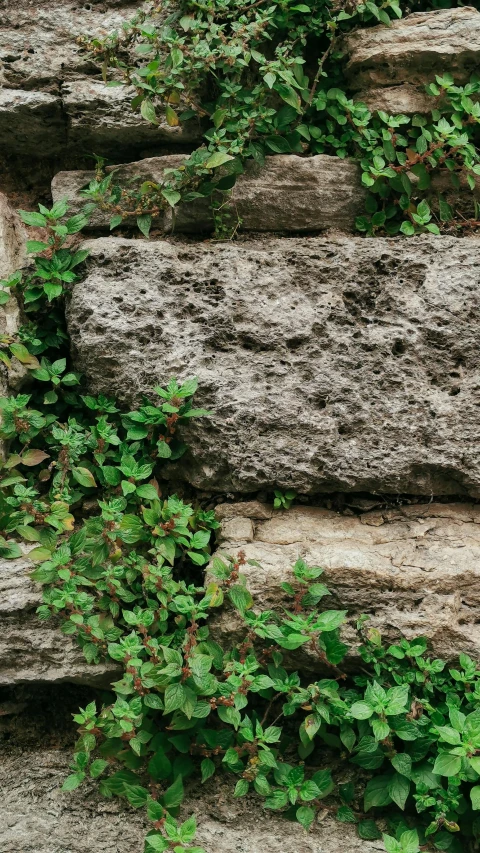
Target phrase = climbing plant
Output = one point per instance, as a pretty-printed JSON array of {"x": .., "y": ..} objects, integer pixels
[
  {"x": 269, "y": 78},
  {"x": 391, "y": 744}
]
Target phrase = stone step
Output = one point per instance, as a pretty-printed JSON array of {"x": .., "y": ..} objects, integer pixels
[
  {"x": 288, "y": 194},
  {"x": 414, "y": 570},
  {"x": 338, "y": 364}
]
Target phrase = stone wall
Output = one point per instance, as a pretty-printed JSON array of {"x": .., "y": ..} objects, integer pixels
[{"x": 331, "y": 363}]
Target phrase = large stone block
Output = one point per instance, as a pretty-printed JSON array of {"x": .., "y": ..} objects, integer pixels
[
  {"x": 288, "y": 193},
  {"x": 329, "y": 364},
  {"x": 414, "y": 569},
  {"x": 414, "y": 49},
  {"x": 35, "y": 651},
  {"x": 38, "y": 818}
]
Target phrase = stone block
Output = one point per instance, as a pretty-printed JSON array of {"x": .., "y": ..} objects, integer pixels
[{"x": 329, "y": 364}]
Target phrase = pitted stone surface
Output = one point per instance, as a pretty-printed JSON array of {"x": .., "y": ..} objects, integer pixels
[
  {"x": 414, "y": 570},
  {"x": 329, "y": 364},
  {"x": 415, "y": 48}
]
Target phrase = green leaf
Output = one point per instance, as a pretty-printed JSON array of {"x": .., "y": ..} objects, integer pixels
[
  {"x": 377, "y": 793},
  {"x": 475, "y": 797},
  {"x": 74, "y": 780},
  {"x": 305, "y": 816},
  {"x": 172, "y": 196},
  {"x": 241, "y": 788},
  {"x": 136, "y": 795},
  {"x": 148, "y": 111},
  {"x": 173, "y": 796},
  {"x": 399, "y": 789},
  {"x": 144, "y": 224},
  {"x": 174, "y": 697},
  {"x": 361, "y": 710},
  {"x": 447, "y": 764},
  {"x": 97, "y": 767},
  {"x": 240, "y": 598},
  {"x": 208, "y": 769},
  {"x": 218, "y": 159},
  {"x": 84, "y": 477},
  {"x": 368, "y": 830},
  {"x": 402, "y": 763},
  {"x": 36, "y": 220}
]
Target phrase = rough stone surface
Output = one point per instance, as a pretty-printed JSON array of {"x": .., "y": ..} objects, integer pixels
[
  {"x": 12, "y": 257},
  {"x": 53, "y": 99},
  {"x": 394, "y": 100},
  {"x": 288, "y": 193},
  {"x": 330, "y": 364},
  {"x": 38, "y": 42},
  {"x": 38, "y": 818},
  {"x": 36, "y": 651},
  {"x": 99, "y": 115},
  {"x": 415, "y": 48},
  {"x": 414, "y": 570}
]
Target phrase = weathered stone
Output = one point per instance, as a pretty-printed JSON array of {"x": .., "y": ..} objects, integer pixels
[
  {"x": 32, "y": 650},
  {"x": 38, "y": 41},
  {"x": 38, "y": 818},
  {"x": 99, "y": 115},
  {"x": 414, "y": 49},
  {"x": 12, "y": 239},
  {"x": 395, "y": 100},
  {"x": 12, "y": 257},
  {"x": 414, "y": 570},
  {"x": 31, "y": 119},
  {"x": 288, "y": 193},
  {"x": 329, "y": 364},
  {"x": 53, "y": 100}
]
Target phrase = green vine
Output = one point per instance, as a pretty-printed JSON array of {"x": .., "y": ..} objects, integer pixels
[{"x": 268, "y": 78}]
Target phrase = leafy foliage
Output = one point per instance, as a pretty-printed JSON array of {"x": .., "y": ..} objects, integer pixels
[{"x": 264, "y": 79}]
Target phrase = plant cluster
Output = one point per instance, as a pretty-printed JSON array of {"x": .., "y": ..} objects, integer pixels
[{"x": 267, "y": 78}]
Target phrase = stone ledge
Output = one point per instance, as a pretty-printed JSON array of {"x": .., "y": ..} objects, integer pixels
[
  {"x": 35, "y": 651},
  {"x": 288, "y": 194},
  {"x": 330, "y": 364},
  {"x": 414, "y": 570},
  {"x": 413, "y": 49}
]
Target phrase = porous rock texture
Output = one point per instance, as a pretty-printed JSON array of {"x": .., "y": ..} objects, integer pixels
[
  {"x": 32, "y": 650},
  {"x": 289, "y": 193},
  {"x": 38, "y": 818},
  {"x": 329, "y": 364},
  {"x": 414, "y": 570}
]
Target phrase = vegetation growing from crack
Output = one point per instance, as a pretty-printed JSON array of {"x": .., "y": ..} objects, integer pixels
[
  {"x": 268, "y": 78},
  {"x": 122, "y": 567}
]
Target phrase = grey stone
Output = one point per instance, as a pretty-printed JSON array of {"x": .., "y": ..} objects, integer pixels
[
  {"x": 413, "y": 570},
  {"x": 38, "y": 40},
  {"x": 32, "y": 650},
  {"x": 38, "y": 818},
  {"x": 415, "y": 48},
  {"x": 289, "y": 193},
  {"x": 329, "y": 364},
  {"x": 31, "y": 120}
]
